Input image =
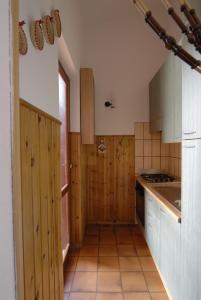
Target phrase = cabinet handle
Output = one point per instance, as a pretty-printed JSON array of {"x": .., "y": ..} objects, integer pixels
[
  {"x": 189, "y": 133},
  {"x": 189, "y": 147},
  {"x": 162, "y": 211}
]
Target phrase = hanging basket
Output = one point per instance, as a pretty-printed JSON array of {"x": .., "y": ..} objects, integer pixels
[
  {"x": 23, "y": 45},
  {"x": 37, "y": 34},
  {"x": 56, "y": 22},
  {"x": 48, "y": 29}
]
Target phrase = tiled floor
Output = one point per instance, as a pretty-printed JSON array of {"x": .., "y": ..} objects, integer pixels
[{"x": 114, "y": 263}]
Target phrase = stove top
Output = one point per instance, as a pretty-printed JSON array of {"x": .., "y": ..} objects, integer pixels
[{"x": 154, "y": 178}]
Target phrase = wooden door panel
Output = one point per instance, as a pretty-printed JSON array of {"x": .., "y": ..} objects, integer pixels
[
  {"x": 41, "y": 205},
  {"x": 110, "y": 180}
]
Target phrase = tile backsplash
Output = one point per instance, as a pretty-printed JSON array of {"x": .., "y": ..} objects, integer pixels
[{"x": 150, "y": 152}]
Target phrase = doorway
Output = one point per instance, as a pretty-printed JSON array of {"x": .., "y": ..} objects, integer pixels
[{"x": 64, "y": 111}]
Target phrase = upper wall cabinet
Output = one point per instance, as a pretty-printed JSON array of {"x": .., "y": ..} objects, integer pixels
[
  {"x": 172, "y": 100},
  {"x": 191, "y": 99},
  {"x": 166, "y": 100},
  {"x": 155, "y": 103},
  {"x": 87, "y": 106}
]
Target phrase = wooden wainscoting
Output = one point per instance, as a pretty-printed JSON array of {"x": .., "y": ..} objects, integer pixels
[
  {"x": 77, "y": 190},
  {"x": 41, "y": 204},
  {"x": 110, "y": 178}
]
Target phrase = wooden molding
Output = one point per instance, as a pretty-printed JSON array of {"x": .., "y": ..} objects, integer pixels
[
  {"x": 38, "y": 110},
  {"x": 17, "y": 201}
]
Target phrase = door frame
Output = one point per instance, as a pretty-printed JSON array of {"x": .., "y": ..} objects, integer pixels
[
  {"x": 16, "y": 161},
  {"x": 66, "y": 188}
]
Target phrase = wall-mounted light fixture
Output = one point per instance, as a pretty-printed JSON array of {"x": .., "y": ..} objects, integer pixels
[{"x": 109, "y": 104}]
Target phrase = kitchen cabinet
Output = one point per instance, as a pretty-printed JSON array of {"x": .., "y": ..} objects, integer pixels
[
  {"x": 170, "y": 247},
  {"x": 87, "y": 94},
  {"x": 152, "y": 225},
  {"x": 166, "y": 100},
  {"x": 155, "y": 103},
  {"x": 163, "y": 235},
  {"x": 191, "y": 97},
  {"x": 191, "y": 220},
  {"x": 172, "y": 100}
]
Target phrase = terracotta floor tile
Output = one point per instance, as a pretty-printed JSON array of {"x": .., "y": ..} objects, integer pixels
[
  {"x": 109, "y": 296},
  {"x": 107, "y": 229},
  {"x": 108, "y": 250},
  {"x": 109, "y": 282},
  {"x": 89, "y": 250},
  {"x": 70, "y": 264},
  {"x": 74, "y": 252},
  {"x": 124, "y": 239},
  {"x": 87, "y": 263},
  {"x": 91, "y": 240},
  {"x": 147, "y": 264},
  {"x": 133, "y": 282},
  {"x": 139, "y": 240},
  {"x": 159, "y": 296},
  {"x": 108, "y": 239},
  {"x": 129, "y": 264},
  {"x": 123, "y": 231},
  {"x": 154, "y": 282},
  {"x": 93, "y": 229},
  {"x": 126, "y": 250},
  {"x": 137, "y": 296},
  {"x": 136, "y": 230},
  {"x": 108, "y": 264},
  {"x": 68, "y": 280},
  {"x": 82, "y": 296},
  {"x": 143, "y": 250},
  {"x": 84, "y": 282}
]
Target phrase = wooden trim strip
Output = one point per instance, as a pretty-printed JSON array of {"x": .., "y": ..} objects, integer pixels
[
  {"x": 16, "y": 161},
  {"x": 38, "y": 110}
]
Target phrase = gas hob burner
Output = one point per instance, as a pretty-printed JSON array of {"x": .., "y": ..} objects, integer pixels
[{"x": 154, "y": 178}]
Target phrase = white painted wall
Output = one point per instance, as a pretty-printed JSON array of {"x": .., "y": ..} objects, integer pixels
[
  {"x": 7, "y": 277},
  {"x": 38, "y": 69},
  {"x": 125, "y": 54}
]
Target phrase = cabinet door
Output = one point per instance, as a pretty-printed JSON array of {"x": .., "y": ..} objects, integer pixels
[
  {"x": 191, "y": 99},
  {"x": 152, "y": 225},
  {"x": 170, "y": 245},
  {"x": 191, "y": 220},
  {"x": 171, "y": 100}
]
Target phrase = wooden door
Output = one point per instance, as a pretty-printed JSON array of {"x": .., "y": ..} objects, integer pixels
[{"x": 64, "y": 110}]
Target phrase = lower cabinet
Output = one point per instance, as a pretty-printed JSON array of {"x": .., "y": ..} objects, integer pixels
[
  {"x": 163, "y": 235},
  {"x": 152, "y": 225},
  {"x": 170, "y": 250}
]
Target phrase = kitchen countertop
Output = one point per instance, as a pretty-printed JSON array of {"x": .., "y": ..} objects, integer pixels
[{"x": 149, "y": 187}]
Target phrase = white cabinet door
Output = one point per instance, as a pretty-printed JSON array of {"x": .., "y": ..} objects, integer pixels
[
  {"x": 170, "y": 245},
  {"x": 191, "y": 220},
  {"x": 191, "y": 99},
  {"x": 152, "y": 225},
  {"x": 172, "y": 100}
]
